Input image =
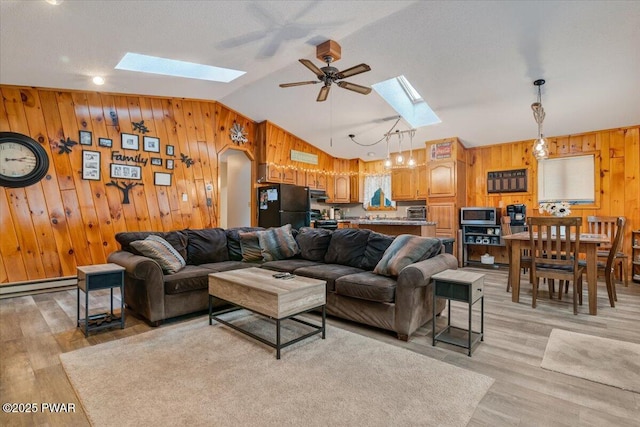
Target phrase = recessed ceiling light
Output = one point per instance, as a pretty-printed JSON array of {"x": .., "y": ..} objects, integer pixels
[
  {"x": 403, "y": 97},
  {"x": 98, "y": 80},
  {"x": 171, "y": 67},
  {"x": 371, "y": 154},
  {"x": 54, "y": 2}
]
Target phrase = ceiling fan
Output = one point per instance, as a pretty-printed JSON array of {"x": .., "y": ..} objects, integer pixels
[{"x": 329, "y": 52}]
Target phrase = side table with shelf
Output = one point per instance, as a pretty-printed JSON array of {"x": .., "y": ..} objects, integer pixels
[
  {"x": 635, "y": 256},
  {"x": 464, "y": 286},
  {"x": 94, "y": 277}
]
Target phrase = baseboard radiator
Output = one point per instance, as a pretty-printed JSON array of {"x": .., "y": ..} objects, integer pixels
[{"x": 17, "y": 289}]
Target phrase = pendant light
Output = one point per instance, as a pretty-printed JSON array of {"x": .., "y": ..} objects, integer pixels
[
  {"x": 412, "y": 161},
  {"x": 387, "y": 161},
  {"x": 540, "y": 146},
  {"x": 399, "y": 157}
]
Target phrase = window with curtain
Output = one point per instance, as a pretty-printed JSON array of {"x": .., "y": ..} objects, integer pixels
[{"x": 377, "y": 192}]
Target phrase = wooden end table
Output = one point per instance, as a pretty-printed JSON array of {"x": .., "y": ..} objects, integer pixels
[
  {"x": 459, "y": 285},
  {"x": 100, "y": 276}
]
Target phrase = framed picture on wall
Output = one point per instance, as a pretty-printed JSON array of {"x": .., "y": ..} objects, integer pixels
[
  {"x": 161, "y": 178},
  {"x": 85, "y": 137},
  {"x": 105, "y": 142},
  {"x": 151, "y": 143},
  {"x": 91, "y": 165},
  {"x": 125, "y": 171},
  {"x": 156, "y": 161},
  {"x": 130, "y": 141},
  {"x": 170, "y": 150},
  {"x": 169, "y": 164}
]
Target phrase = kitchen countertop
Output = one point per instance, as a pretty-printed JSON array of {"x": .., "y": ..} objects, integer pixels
[{"x": 389, "y": 221}]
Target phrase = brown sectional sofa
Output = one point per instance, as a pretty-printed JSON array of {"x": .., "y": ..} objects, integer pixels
[{"x": 344, "y": 258}]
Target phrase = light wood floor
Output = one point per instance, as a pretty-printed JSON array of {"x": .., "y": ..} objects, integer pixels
[{"x": 34, "y": 330}]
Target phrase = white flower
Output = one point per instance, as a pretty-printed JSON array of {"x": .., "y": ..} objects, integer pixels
[{"x": 559, "y": 209}]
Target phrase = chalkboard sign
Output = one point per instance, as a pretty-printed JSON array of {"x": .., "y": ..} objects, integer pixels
[{"x": 511, "y": 181}]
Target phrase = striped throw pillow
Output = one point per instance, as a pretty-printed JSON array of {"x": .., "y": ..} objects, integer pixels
[
  {"x": 278, "y": 243},
  {"x": 250, "y": 246},
  {"x": 161, "y": 251},
  {"x": 404, "y": 250}
]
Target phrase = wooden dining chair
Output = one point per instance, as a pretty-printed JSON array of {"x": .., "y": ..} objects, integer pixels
[
  {"x": 525, "y": 258},
  {"x": 554, "y": 255},
  {"x": 608, "y": 266},
  {"x": 609, "y": 225}
]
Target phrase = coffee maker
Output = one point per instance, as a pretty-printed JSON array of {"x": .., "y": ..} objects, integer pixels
[{"x": 517, "y": 213}]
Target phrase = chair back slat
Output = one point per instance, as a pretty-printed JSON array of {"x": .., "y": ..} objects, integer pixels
[
  {"x": 505, "y": 225},
  {"x": 555, "y": 242},
  {"x": 616, "y": 245},
  {"x": 603, "y": 225}
]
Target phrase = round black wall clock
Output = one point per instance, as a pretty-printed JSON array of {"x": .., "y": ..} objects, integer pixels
[{"x": 23, "y": 161}]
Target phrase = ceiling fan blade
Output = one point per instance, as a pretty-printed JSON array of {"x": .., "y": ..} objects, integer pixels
[
  {"x": 361, "y": 68},
  {"x": 324, "y": 92},
  {"x": 354, "y": 87},
  {"x": 310, "y": 65},
  {"x": 310, "y": 82}
]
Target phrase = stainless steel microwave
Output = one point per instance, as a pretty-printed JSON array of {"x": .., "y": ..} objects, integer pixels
[{"x": 479, "y": 216}]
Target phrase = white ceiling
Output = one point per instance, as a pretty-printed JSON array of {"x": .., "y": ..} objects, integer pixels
[{"x": 474, "y": 62}]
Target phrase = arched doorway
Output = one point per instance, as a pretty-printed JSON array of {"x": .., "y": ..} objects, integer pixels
[{"x": 235, "y": 189}]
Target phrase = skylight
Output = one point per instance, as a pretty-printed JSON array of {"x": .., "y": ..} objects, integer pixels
[
  {"x": 403, "y": 97},
  {"x": 171, "y": 67}
]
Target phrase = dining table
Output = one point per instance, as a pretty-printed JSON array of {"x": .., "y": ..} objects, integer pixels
[{"x": 589, "y": 243}]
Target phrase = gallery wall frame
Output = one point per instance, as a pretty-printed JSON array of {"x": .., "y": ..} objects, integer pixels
[
  {"x": 151, "y": 143},
  {"x": 91, "y": 165},
  {"x": 130, "y": 141},
  {"x": 125, "y": 171},
  {"x": 105, "y": 142},
  {"x": 85, "y": 137},
  {"x": 162, "y": 179}
]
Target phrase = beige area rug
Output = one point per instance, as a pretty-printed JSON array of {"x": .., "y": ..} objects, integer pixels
[
  {"x": 200, "y": 375},
  {"x": 603, "y": 360}
]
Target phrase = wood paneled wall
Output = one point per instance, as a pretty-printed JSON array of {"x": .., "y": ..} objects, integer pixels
[
  {"x": 63, "y": 221},
  {"x": 619, "y": 155}
]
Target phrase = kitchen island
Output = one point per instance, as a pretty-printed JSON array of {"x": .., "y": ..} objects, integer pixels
[{"x": 395, "y": 227}]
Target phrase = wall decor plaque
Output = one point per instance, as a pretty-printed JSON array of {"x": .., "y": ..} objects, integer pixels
[{"x": 510, "y": 181}]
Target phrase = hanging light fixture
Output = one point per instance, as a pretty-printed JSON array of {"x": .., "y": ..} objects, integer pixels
[
  {"x": 412, "y": 161},
  {"x": 399, "y": 157},
  {"x": 540, "y": 146},
  {"x": 387, "y": 161}
]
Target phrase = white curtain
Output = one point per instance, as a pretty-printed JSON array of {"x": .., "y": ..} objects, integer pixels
[{"x": 374, "y": 182}]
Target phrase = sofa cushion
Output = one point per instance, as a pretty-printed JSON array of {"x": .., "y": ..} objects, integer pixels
[
  {"x": 233, "y": 241},
  {"x": 289, "y": 265},
  {"x": 190, "y": 278},
  {"x": 161, "y": 251},
  {"x": 177, "y": 239},
  {"x": 277, "y": 243},
  {"x": 347, "y": 247},
  {"x": 368, "y": 286},
  {"x": 328, "y": 272},
  {"x": 313, "y": 243},
  {"x": 406, "y": 249},
  {"x": 206, "y": 245},
  {"x": 376, "y": 245},
  {"x": 250, "y": 246}
]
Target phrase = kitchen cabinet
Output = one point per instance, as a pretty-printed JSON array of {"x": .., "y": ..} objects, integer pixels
[
  {"x": 446, "y": 185},
  {"x": 342, "y": 187},
  {"x": 278, "y": 174},
  {"x": 316, "y": 180},
  {"x": 421, "y": 182},
  {"x": 402, "y": 186}
]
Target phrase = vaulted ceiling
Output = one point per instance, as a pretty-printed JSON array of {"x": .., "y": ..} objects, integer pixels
[{"x": 473, "y": 62}]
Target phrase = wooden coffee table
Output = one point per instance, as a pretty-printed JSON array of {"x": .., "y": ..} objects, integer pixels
[{"x": 256, "y": 290}]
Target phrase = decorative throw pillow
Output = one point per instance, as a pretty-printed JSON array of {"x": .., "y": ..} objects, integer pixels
[
  {"x": 347, "y": 247},
  {"x": 206, "y": 245},
  {"x": 233, "y": 241},
  {"x": 278, "y": 243},
  {"x": 376, "y": 245},
  {"x": 177, "y": 239},
  {"x": 161, "y": 251},
  {"x": 313, "y": 243},
  {"x": 250, "y": 246},
  {"x": 406, "y": 249}
]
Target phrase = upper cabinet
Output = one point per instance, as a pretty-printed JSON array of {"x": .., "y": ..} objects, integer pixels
[
  {"x": 342, "y": 181},
  {"x": 410, "y": 183},
  {"x": 285, "y": 158}
]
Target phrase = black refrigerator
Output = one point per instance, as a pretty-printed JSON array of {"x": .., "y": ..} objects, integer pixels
[{"x": 281, "y": 204}]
